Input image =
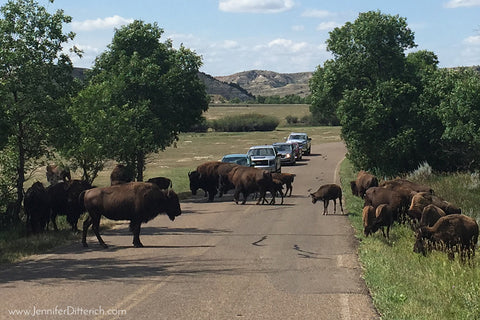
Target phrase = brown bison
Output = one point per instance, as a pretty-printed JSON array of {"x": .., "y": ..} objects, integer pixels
[
  {"x": 326, "y": 193},
  {"x": 452, "y": 233},
  {"x": 407, "y": 184},
  {"x": 422, "y": 199},
  {"x": 287, "y": 180},
  {"x": 56, "y": 173},
  {"x": 276, "y": 187},
  {"x": 224, "y": 183},
  {"x": 206, "y": 178},
  {"x": 364, "y": 181},
  {"x": 430, "y": 215},
  {"x": 376, "y": 196},
  {"x": 135, "y": 201},
  {"x": 161, "y": 182},
  {"x": 121, "y": 174},
  {"x": 64, "y": 201},
  {"x": 248, "y": 180},
  {"x": 374, "y": 219},
  {"x": 37, "y": 207}
]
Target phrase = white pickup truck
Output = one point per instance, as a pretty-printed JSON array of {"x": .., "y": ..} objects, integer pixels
[{"x": 302, "y": 139}]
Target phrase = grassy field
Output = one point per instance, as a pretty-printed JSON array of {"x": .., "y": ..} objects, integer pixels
[
  {"x": 280, "y": 111},
  {"x": 406, "y": 285}
]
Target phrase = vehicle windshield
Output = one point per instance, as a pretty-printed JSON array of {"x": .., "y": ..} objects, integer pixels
[
  {"x": 238, "y": 160},
  {"x": 261, "y": 152},
  {"x": 297, "y": 137},
  {"x": 283, "y": 147}
]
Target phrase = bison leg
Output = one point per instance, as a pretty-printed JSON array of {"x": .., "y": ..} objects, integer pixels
[
  {"x": 86, "y": 224},
  {"x": 135, "y": 228},
  {"x": 96, "y": 227},
  {"x": 325, "y": 207},
  {"x": 289, "y": 187},
  {"x": 54, "y": 221},
  {"x": 341, "y": 206}
]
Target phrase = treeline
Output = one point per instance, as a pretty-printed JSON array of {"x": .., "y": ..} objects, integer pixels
[
  {"x": 288, "y": 99},
  {"x": 396, "y": 110}
]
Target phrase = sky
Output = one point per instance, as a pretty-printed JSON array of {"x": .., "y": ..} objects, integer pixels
[{"x": 285, "y": 36}]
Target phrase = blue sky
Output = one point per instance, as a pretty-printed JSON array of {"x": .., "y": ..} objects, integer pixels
[{"x": 279, "y": 35}]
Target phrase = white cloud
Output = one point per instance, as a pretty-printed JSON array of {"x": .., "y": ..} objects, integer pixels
[
  {"x": 98, "y": 24},
  {"x": 462, "y": 3},
  {"x": 327, "y": 25},
  {"x": 255, "y": 6},
  {"x": 312, "y": 13},
  {"x": 474, "y": 40},
  {"x": 286, "y": 44},
  {"x": 298, "y": 28}
]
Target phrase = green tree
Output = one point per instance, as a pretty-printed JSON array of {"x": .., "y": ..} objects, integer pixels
[
  {"x": 373, "y": 88},
  {"x": 35, "y": 79},
  {"x": 145, "y": 92}
]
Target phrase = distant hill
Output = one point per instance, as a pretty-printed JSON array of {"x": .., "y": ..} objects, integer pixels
[
  {"x": 246, "y": 85},
  {"x": 223, "y": 91},
  {"x": 270, "y": 83}
]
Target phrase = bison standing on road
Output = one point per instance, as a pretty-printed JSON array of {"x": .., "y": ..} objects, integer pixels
[
  {"x": 287, "y": 180},
  {"x": 326, "y": 193},
  {"x": 248, "y": 180},
  {"x": 206, "y": 178},
  {"x": 36, "y": 206},
  {"x": 135, "y": 201}
]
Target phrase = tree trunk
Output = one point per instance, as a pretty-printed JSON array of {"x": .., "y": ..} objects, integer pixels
[
  {"x": 20, "y": 171},
  {"x": 140, "y": 162}
]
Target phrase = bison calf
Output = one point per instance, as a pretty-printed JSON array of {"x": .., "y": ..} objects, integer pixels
[
  {"x": 326, "y": 193},
  {"x": 374, "y": 219}
]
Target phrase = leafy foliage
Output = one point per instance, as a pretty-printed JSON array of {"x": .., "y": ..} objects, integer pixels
[
  {"x": 245, "y": 123},
  {"x": 141, "y": 94},
  {"x": 36, "y": 80}
]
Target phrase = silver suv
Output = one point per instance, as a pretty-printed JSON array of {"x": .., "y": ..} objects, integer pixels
[{"x": 265, "y": 157}]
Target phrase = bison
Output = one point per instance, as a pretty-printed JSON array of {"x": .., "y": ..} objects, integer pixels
[
  {"x": 376, "y": 196},
  {"x": 276, "y": 187},
  {"x": 161, "y": 182},
  {"x": 37, "y": 207},
  {"x": 452, "y": 233},
  {"x": 206, "y": 178},
  {"x": 64, "y": 201},
  {"x": 374, "y": 219},
  {"x": 326, "y": 193},
  {"x": 224, "y": 183},
  {"x": 135, "y": 201},
  {"x": 287, "y": 180},
  {"x": 407, "y": 184},
  {"x": 422, "y": 199},
  {"x": 56, "y": 173},
  {"x": 120, "y": 174},
  {"x": 248, "y": 180},
  {"x": 430, "y": 215},
  {"x": 364, "y": 181}
]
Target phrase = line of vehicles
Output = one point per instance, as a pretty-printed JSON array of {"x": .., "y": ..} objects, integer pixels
[{"x": 272, "y": 157}]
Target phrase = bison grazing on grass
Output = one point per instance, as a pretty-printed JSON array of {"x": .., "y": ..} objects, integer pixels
[
  {"x": 430, "y": 215},
  {"x": 376, "y": 196},
  {"x": 374, "y": 219},
  {"x": 422, "y": 199},
  {"x": 326, "y": 193},
  {"x": 135, "y": 201},
  {"x": 455, "y": 232},
  {"x": 364, "y": 181}
]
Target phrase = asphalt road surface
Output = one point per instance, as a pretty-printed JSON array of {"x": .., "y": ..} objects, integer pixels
[{"x": 216, "y": 261}]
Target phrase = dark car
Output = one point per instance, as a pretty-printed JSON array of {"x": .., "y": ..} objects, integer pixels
[
  {"x": 298, "y": 150},
  {"x": 238, "y": 158},
  {"x": 286, "y": 151}
]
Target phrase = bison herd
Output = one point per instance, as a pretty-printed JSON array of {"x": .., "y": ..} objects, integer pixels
[
  {"x": 137, "y": 202},
  {"x": 438, "y": 224}
]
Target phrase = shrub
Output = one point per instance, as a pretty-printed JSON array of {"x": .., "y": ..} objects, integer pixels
[
  {"x": 291, "y": 119},
  {"x": 246, "y": 122}
]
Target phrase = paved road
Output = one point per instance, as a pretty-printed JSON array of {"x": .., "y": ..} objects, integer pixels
[{"x": 216, "y": 261}]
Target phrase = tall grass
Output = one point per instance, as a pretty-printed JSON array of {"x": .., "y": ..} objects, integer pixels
[{"x": 406, "y": 285}]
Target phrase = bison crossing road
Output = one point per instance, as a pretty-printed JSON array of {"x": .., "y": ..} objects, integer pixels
[{"x": 217, "y": 260}]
